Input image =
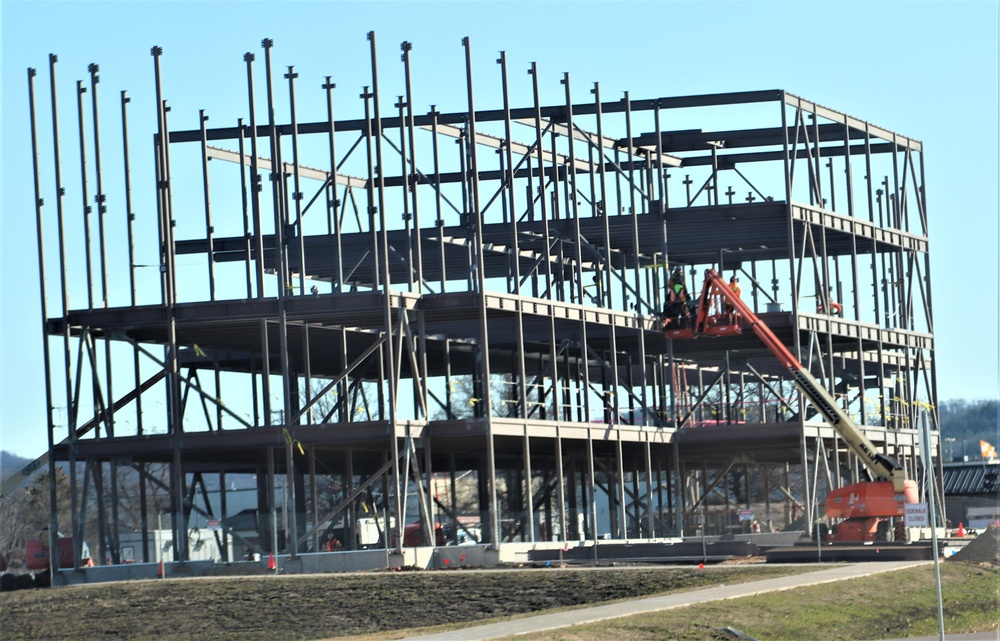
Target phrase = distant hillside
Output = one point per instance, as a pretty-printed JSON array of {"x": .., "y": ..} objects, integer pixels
[
  {"x": 10, "y": 463},
  {"x": 969, "y": 422}
]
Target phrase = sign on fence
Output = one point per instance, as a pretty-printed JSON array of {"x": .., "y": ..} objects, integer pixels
[{"x": 917, "y": 515}]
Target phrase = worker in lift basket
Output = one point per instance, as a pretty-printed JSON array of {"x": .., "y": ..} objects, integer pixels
[
  {"x": 677, "y": 297},
  {"x": 734, "y": 284},
  {"x": 834, "y": 308}
]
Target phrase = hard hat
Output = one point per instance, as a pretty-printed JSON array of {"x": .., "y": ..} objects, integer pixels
[{"x": 733, "y": 279}]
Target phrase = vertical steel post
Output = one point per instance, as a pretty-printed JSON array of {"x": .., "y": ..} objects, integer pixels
[
  {"x": 649, "y": 492},
  {"x": 541, "y": 195},
  {"x": 99, "y": 199},
  {"x": 245, "y": 208},
  {"x": 272, "y": 503},
  {"x": 40, "y": 229},
  {"x": 476, "y": 219},
  {"x": 412, "y": 233},
  {"x": 297, "y": 194},
  {"x": 174, "y": 414},
  {"x": 130, "y": 232},
  {"x": 603, "y": 210},
  {"x": 265, "y": 374},
  {"x": 856, "y": 283},
  {"x": 412, "y": 178},
  {"x": 509, "y": 179},
  {"x": 284, "y": 285},
  {"x": 338, "y": 284},
  {"x": 381, "y": 256},
  {"x": 574, "y": 211},
  {"x": 925, "y": 438},
  {"x": 592, "y": 491},
  {"x": 277, "y": 179},
  {"x": 515, "y": 268},
  {"x": 87, "y": 209},
  {"x": 366, "y": 95},
  {"x": 209, "y": 230},
  {"x": 418, "y": 249},
  {"x": 176, "y": 411},
  {"x": 571, "y": 207},
  {"x": 713, "y": 196},
  {"x": 129, "y": 214},
  {"x": 612, "y": 403},
  {"x": 437, "y": 196},
  {"x": 930, "y": 318},
  {"x": 639, "y": 299},
  {"x": 67, "y": 352},
  {"x": 661, "y": 181},
  {"x": 463, "y": 167},
  {"x": 633, "y": 214},
  {"x": 300, "y": 232},
  {"x": 620, "y": 471},
  {"x": 169, "y": 250},
  {"x": 313, "y": 496},
  {"x": 425, "y": 493},
  {"x": 870, "y": 190},
  {"x": 816, "y": 166},
  {"x": 256, "y": 185}
]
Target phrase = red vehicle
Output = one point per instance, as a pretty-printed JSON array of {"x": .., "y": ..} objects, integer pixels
[
  {"x": 865, "y": 506},
  {"x": 412, "y": 538},
  {"x": 36, "y": 554}
]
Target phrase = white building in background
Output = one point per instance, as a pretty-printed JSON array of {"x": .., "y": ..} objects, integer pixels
[{"x": 203, "y": 545}]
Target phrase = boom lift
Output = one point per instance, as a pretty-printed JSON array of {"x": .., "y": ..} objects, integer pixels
[{"x": 865, "y": 506}]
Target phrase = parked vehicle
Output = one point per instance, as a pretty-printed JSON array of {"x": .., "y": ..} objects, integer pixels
[{"x": 36, "y": 553}]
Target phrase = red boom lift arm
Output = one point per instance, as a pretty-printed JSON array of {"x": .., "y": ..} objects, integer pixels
[{"x": 705, "y": 323}]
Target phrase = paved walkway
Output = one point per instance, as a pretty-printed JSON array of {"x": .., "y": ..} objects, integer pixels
[
  {"x": 554, "y": 620},
  {"x": 972, "y": 636}
]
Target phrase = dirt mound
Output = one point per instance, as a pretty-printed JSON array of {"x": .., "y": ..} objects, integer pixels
[{"x": 984, "y": 549}]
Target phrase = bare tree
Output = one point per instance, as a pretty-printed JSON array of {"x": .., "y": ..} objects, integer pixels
[{"x": 25, "y": 513}]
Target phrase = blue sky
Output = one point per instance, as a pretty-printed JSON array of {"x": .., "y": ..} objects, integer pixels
[{"x": 928, "y": 70}]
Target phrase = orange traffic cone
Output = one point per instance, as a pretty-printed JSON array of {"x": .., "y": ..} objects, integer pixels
[
  {"x": 159, "y": 570},
  {"x": 961, "y": 529},
  {"x": 271, "y": 565}
]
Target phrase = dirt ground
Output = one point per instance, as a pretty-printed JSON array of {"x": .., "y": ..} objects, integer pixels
[
  {"x": 985, "y": 549},
  {"x": 327, "y": 606}
]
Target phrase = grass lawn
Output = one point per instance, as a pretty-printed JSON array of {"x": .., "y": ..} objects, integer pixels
[{"x": 883, "y": 606}]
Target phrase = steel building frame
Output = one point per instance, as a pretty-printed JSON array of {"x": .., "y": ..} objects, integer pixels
[{"x": 356, "y": 273}]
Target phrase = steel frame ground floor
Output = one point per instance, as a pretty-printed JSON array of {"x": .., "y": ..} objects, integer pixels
[{"x": 498, "y": 481}]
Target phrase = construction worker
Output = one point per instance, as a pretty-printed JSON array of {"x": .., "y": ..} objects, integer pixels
[
  {"x": 834, "y": 307},
  {"x": 677, "y": 297},
  {"x": 734, "y": 284},
  {"x": 678, "y": 290}
]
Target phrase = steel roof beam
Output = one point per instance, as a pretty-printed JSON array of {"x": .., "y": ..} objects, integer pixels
[
  {"x": 728, "y": 161},
  {"x": 698, "y": 140},
  {"x": 226, "y": 155},
  {"x": 853, "y": 123},
  {"x": 603, "y": 142},
  {"x": 556, "y": 113},
  {"x": 518, "y": 148}
]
